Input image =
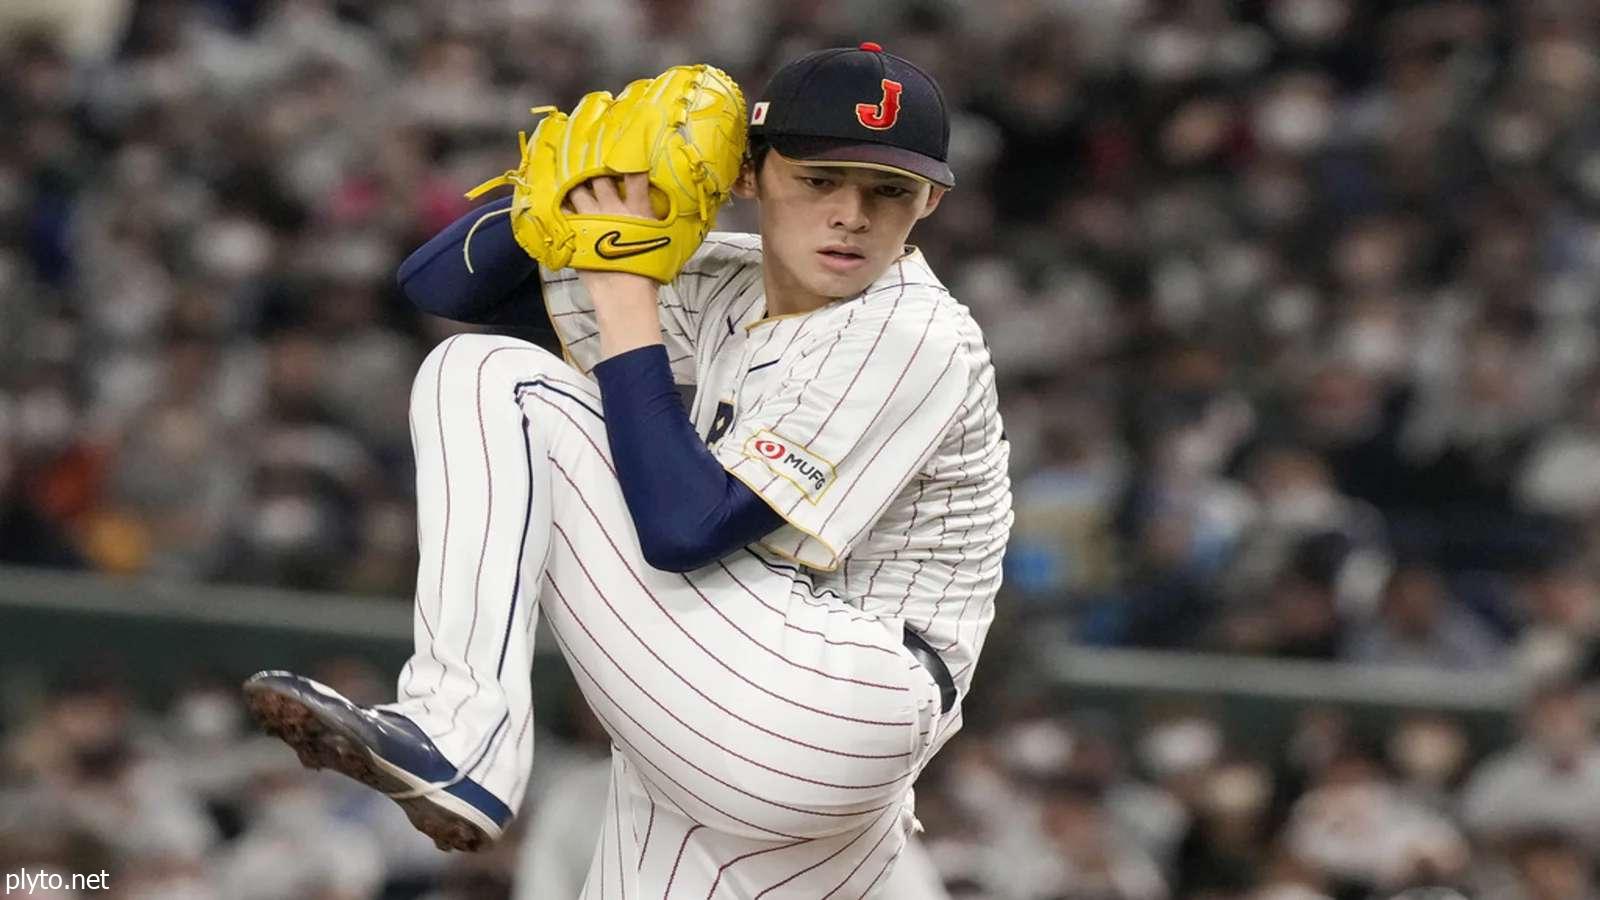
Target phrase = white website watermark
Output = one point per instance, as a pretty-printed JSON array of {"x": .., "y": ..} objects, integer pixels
[{"x": 27, "y": 883}]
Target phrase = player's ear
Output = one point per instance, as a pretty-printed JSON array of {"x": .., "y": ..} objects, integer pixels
[
  {"x": 744, "y": 187},
  {"x": 934, "y": 196}
]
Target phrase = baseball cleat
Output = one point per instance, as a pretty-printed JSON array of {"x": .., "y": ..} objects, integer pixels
[{"x": 382, "y": 750}]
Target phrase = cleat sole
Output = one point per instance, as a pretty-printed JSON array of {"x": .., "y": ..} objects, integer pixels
[{"x": 324, "y": 743}]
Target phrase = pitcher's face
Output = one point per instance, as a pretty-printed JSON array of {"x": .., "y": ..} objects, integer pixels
[{"x": 833, "y": 230}]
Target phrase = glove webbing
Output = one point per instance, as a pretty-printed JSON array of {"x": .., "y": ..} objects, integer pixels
[{"x": 511, "y": 177}]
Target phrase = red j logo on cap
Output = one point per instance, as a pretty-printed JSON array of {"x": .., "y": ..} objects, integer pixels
[{"x": 881, "y": 117}]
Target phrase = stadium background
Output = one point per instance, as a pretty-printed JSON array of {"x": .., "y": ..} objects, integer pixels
[{"x": 1294, "y": 308}]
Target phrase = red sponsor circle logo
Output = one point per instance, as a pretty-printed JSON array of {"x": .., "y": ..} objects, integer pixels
[
  {"x": 771, "y": 449},
  {"x": 882, "y": 115}
]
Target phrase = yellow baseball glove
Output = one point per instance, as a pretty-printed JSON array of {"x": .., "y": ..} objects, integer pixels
[{"x": 685, "y": 128}]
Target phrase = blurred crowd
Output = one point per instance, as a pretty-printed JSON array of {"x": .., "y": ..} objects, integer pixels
[
  {"x": 1160, "y": 802},
  {"x": 1292, "y": 301},
  {"x": 1170, "y": 804},
  {"x": 1293, "y": 305},
  {"x": 191, "y": 803}
]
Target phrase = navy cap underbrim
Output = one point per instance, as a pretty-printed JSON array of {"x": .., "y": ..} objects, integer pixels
[{"x": 822, "y": 151}]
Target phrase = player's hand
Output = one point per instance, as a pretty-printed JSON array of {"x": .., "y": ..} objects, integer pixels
[
  {"x": 611, "y": 196},
  {"x": 625, "y": 303}
]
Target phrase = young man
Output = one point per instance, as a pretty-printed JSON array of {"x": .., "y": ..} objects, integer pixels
[{"x": 774, "y": 600}]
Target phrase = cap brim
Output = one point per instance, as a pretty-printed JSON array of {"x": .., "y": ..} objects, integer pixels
[{"x": 833, "y": 152}]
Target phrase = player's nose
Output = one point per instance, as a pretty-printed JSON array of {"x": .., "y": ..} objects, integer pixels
[{"x": 850, "y": 210}]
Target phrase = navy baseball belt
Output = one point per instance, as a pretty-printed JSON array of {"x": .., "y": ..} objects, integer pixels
[{"x": 930, "y": 660}]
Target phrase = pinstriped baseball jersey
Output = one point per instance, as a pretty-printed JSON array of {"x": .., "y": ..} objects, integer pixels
[
  {"x": 765, "y": 738},
  {"x": 767, "y": 719},
  {"x": 871, "y": 425}
]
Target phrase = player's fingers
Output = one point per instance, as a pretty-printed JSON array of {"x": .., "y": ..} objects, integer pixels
[
  {"x": 605, "y": 191},
  {"x": 582, "y": 199},
  {"x": 636, "y": 191}
]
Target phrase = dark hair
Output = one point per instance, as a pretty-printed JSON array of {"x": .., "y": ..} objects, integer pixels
[{"x": 756, "y": 152}]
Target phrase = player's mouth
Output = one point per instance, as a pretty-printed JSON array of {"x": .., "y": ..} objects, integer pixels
[{"x": 841, "y": 258}]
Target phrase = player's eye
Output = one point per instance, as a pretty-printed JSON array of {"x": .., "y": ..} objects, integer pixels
[
  {"x": 814, "y": 181},
  {"x": 893, "y": 191}
]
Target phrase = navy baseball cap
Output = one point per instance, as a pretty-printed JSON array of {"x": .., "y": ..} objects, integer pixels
[{"x": 857, "y": 106}]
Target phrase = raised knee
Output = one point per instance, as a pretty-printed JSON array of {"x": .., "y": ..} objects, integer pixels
[
  {"x": 471, "y": 350},
  {"x": 479, "y": 356}
]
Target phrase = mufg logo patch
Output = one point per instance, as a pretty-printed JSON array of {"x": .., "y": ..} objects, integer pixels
[{"x": 809, "y": 472}]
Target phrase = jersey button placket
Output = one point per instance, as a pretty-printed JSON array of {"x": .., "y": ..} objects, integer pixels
[{"x": 740, "y": 371}]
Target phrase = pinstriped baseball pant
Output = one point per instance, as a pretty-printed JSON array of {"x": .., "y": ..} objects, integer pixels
[{"x": 764, "y": 739}]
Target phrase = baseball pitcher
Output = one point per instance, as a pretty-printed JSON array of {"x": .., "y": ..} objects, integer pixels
[{"x": 773, "y": 599}]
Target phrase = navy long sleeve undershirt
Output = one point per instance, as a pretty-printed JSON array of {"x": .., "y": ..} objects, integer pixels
[
  {"x": 687, "y": 509},
  {"x": 502, "y": 289}
]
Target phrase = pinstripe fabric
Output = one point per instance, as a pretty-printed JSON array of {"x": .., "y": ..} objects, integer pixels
[{"x": 766, "y": 720}]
